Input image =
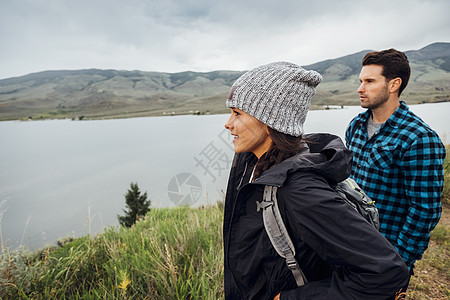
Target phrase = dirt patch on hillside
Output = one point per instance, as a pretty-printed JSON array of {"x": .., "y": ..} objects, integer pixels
[{"x": 445, "y": 218}]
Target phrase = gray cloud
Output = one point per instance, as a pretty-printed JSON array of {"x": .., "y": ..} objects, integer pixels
[{"x": 202, "y": 35}]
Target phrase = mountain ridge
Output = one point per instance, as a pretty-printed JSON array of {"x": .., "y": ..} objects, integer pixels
[{"x": 96, "y": 93}]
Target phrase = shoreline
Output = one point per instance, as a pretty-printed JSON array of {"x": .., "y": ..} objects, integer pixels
[
  {"x": 158, "y": 113},
  {"x": 127, "y": 115}
]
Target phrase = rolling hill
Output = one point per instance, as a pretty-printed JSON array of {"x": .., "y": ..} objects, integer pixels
[
  {"x": 429, "y": 82},
  {"x": 97, "y": 93}
]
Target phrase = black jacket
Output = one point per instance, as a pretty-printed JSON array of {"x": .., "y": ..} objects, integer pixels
[{"x": 342, "y": 256}]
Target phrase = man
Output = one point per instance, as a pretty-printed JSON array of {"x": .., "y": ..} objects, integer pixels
[{"x": 397, "y": 158}]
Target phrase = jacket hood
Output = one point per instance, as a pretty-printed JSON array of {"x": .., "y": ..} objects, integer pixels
[{"x": 324, "y": 154}]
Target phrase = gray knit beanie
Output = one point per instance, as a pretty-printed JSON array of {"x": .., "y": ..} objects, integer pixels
[{"x": 277, "y": 94}]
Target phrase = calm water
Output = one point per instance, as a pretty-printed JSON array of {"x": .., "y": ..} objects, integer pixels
[{"x": 65, "y": 178}]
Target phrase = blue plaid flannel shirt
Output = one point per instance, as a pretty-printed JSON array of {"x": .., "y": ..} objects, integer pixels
[{"x": 400, "y": 168}]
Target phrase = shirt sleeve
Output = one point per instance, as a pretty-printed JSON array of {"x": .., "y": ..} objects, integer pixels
[
  {"x": 423, "y": 174},
  {"x": 348, "y": 132}
]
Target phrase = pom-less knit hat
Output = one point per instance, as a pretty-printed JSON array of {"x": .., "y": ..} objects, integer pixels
[{"x": 277, "y": 94}]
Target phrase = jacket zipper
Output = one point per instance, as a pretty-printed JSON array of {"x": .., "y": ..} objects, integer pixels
[{"x": 239, "y": 188}]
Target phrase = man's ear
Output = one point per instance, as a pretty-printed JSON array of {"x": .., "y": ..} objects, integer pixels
[{"x": 394, "y": 85}]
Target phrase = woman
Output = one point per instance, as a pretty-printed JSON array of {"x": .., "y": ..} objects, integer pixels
[{"x": 341, "y": 255}]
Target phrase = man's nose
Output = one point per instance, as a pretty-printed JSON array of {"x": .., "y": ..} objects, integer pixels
[{"x": 360, "y": 88}]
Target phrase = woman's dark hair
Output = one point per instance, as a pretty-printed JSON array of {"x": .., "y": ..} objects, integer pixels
[
  {"x": 395, "y": 64},
  {"x": 283, "y": 147}
]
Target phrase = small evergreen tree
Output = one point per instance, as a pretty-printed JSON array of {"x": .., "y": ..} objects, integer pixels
[{"x": 137, "y": 205}]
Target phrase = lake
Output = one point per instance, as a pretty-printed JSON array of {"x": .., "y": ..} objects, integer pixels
[{"x": 61, "y": 178}]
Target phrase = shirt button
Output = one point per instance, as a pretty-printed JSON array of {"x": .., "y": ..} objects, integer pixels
[{"x": 359, "y": 166}]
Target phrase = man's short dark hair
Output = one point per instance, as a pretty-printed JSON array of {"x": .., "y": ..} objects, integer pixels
[{"x": 395, "y": 64}]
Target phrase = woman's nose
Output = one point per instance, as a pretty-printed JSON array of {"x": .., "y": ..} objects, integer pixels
[{"x": 229, "y": 123}]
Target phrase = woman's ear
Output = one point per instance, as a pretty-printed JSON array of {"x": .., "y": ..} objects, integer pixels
[
  {"x": 268, "y": 134},
  {"x": 266, "y": 128}
]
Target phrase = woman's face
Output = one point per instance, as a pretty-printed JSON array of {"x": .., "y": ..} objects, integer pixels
[{"x": 250, "y": 134}]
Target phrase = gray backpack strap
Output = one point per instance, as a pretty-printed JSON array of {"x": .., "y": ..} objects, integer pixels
[{"x": 277, "y": 232}]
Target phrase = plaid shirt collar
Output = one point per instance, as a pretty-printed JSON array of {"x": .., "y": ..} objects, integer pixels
[{"x": 394, "y": 121}]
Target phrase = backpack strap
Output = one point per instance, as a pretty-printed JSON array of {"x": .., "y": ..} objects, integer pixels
[{"x": 278, "y": 235}]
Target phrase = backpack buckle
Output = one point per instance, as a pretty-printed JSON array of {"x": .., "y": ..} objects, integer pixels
[
  {"x": 263, "y": 205},
  {"x": 292, "y": 263}
]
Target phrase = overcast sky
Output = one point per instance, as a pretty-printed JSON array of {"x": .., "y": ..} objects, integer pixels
[{"x": 206, "y": 35}]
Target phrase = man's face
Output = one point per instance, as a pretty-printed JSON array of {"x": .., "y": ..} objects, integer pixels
[{"x": 373, "y": 90}]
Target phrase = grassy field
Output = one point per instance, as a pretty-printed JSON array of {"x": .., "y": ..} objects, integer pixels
[{"x": 171, "y": 254}]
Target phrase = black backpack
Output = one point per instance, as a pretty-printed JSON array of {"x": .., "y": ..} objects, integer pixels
[{"x": 274, "y": 225}]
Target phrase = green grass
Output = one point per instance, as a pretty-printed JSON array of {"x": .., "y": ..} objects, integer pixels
[{"x": 172, "y": 254}]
